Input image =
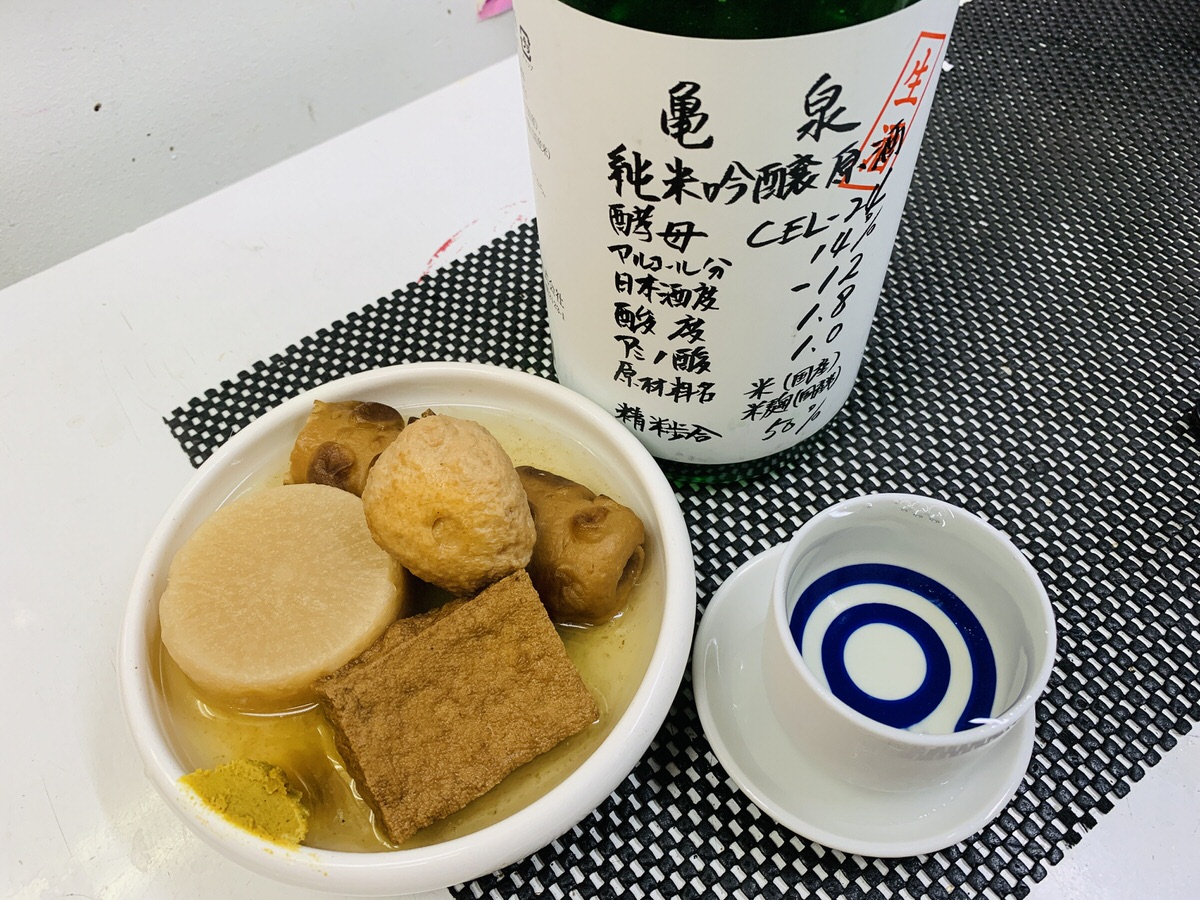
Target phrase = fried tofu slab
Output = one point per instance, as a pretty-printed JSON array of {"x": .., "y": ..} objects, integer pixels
[{"x": 445, "y": 705}]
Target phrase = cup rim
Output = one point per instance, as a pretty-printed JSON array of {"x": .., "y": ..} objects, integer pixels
[{"x": 983, "y": 733}]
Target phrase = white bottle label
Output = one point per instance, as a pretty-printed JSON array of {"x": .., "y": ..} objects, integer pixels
[{"x": 716, "y": 216}]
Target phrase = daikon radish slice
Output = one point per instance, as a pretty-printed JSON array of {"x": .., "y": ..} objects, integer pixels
[{"x": 274, "y": 590}]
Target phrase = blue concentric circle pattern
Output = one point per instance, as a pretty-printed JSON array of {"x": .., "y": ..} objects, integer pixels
[{"x": 968, "y": 667}]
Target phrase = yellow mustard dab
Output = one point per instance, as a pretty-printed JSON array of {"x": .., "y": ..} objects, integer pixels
[{"x": 253, "y": 795}]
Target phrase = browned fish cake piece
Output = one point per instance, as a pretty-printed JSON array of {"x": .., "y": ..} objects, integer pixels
[
  {"x": 341, "y": 441},
  {"x": 589, "y": 552},
  {"x": 443, "y": 708}
]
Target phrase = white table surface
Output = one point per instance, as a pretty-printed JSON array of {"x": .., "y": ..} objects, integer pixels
[{"x": 100, "y": 348}]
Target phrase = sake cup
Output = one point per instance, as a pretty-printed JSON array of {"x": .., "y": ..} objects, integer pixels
[{"x": 903, "y": 637}]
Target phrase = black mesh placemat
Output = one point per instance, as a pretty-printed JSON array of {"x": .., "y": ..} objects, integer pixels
[{"x": 1033, "y": 360}]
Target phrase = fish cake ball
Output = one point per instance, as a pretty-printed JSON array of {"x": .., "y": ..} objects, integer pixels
[
  {"x": 341, "y": 441},
  {"x": 446, "y": 502},
  {"x": 590, "y": 549}
]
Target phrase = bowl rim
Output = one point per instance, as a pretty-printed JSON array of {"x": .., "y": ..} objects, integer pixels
[{"x": 512, "y": 838}]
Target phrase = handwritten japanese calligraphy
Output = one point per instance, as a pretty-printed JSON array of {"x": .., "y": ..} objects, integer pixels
[{"x": 715, "y": 227}]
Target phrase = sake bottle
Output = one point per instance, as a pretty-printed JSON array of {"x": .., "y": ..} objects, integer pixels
[
  {"x": 718, "y": 185},
  {"x": 738, "y": 19}
]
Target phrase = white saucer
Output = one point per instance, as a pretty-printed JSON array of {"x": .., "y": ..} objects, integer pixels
[{"x": 751, "y": 745}]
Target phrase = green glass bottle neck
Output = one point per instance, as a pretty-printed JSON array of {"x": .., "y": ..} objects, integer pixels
[{"x": 738, "y": 19}]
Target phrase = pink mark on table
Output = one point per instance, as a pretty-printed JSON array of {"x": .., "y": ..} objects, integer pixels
[
  {"x": 488, "y": 8},
  {"x": 512, "y": 215},
  {"x": 446, "y": 245}
]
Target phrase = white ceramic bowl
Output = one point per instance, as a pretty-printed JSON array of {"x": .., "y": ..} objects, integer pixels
[{"x": 260, "y": 450}]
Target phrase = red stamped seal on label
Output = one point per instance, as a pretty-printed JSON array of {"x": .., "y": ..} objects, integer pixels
[{"x": 882, "y": 144}]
